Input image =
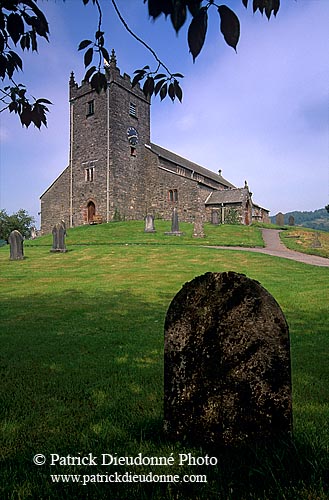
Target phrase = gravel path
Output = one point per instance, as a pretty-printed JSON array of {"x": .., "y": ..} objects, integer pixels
[{"x": 274, "y": 246}]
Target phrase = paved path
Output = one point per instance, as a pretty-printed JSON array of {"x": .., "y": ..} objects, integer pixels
[{"x": 274, "y": 246}]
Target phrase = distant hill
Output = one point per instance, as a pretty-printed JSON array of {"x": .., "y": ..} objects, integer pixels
[{"x": 318, "y": 219}]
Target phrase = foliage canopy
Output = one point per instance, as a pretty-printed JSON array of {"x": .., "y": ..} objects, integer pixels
[{"x": 20, "y": 220}]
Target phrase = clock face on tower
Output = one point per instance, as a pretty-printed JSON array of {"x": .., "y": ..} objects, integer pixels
[{"x": 132, "y": 136}]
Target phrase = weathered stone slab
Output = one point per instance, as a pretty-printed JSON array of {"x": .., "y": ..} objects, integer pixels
[
  {"x": 279, "y": 219},
  {"x": 291, "y": 221},
  {"x": 149, "y": 224},
  {"x": 227, "y": 369},
  {"x": 59, "y": 233},
  {"x": 174, "y": 224},
  {"x": 214, "y": 217},
  {"x": 198, "y": 230},
  {"x": 15, "y": 241}
]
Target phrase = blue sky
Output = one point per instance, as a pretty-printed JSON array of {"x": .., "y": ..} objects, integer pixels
[{"x": 261, "y": 114}]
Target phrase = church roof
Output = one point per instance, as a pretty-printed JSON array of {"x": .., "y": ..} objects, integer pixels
[
  {"x": 237, "y": 195},
  {"x": 227, "y": 196},
  {"x": 183, "y": 162}
]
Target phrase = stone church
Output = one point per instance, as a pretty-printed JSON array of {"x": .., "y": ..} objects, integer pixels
[{"x": 115, "y": 172}]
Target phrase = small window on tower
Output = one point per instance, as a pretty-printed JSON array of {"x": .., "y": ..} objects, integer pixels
[
  {"x": 90, "y": 108},
  {"x": 132, "y": 109},
  {"x": 89, "y": 174}
]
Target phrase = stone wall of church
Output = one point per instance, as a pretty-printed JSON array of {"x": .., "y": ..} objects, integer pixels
[
  {"x": 55, "y": 203},
  {"x": 168, "y": 190}
]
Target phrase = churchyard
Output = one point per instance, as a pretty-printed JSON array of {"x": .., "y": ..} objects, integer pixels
[{"x": 82, "y": 336}]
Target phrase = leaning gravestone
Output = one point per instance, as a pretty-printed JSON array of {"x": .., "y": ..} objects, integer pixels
[
  {"x": 291, "y": 220},
  {"x": 279, "y": 219},
  {"x": 15, "y": 241},
  {"x": 59, "y": 233},
  {"x": 149, "y": 224},
  {"x": 226, "y": 363}
]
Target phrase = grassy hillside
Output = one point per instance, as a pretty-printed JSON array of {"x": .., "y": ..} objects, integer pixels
[
  {"x": 81, "y": 368},
  {"x": 317, "y": 219},
  {"x": 307, "y": 241}
]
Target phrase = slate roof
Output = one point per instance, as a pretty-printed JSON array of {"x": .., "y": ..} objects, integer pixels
[
  {"x": 237, "y": 195},
  {"x": 183, "y": 162}
]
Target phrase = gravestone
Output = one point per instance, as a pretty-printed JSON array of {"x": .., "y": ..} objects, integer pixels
[
  {"x": 316, "y": 243},
  {"x": 59, "y": 233},
  {"x": 291, "y": 220},
  {"x": 227, "y": 369},
  {"x": 15, "y": 241},
  {"x": 214, "y": 217},
  {"x": 279, "y": 219},
  {"x": 198, "y": 231},
  {"x": 174, "y": 224},
  {"x": 149, "y": 224}
]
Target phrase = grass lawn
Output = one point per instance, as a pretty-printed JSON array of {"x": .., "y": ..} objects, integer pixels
[
  {"x": 133, "y": 232},
  {"x": 81, "y": 367}
]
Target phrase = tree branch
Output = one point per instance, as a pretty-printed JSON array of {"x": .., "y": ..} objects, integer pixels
[{"x": 140, "y": 40}]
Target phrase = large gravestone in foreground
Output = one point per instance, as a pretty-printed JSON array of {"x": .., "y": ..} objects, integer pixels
[{"x": 227, "y": 363}]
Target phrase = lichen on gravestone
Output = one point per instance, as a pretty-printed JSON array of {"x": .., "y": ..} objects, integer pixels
[{"x": 227, "y": 371}]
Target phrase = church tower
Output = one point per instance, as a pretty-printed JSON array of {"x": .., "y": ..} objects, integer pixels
[
  {"x": 105, "y": 179},
  {"x": 108, "y": 133}
]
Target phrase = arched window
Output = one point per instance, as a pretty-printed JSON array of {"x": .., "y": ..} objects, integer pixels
[{"x": 172, "y": 195}]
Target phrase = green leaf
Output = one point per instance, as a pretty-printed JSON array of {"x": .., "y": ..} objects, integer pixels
[
  {"x": 158, "y": 7},
  {"x": 154, "y": 8},
  {"x": 194, "y": 6},
  {"x": 2, "y": 43},
  {"x": 88, "y": 57},
  {"x": 163, "y": 91},
  {"x": 158, "y": 86},
  {"x": 3, "y": 66},
  {"x": 16, "y": 60},
  {"x": 15, "y": 26},
  {"x": 178, "y": 91},
  {"x": 160, "y": 75},
  {"x": 229, "y": 26},
  {"x": 148, "y": 87},
  {"x": 33, "y": 38},
  {"x": 171, "y": 91},
  {"x": 84, "y": 44},
  {"x": 26, "y": 115},
  {"x": 105, "y": 54},
  {"x": 89, "y": 73},
  {"x": 43, "y": 101},
  {"x": 137, "y": 78},
  {"x": 197, "y": 32},
  {"x": 99, "y": 82},
  {"x": 178, "y": 15}
]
